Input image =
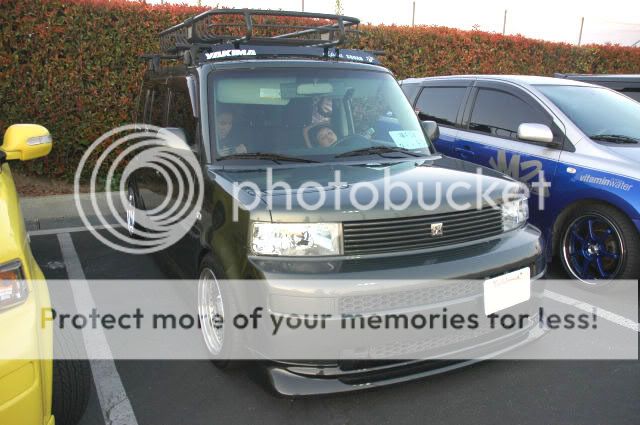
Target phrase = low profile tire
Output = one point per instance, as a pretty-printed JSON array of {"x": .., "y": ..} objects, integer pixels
[
  {"x": 600, "y": 244},
  {"x": 71, "y": 380},
  {"x": 222, "y": 342}
]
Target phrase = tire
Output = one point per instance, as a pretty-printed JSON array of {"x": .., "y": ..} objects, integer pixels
[
  {"x": 227, "y": 344},
  {"x": 598, "y": 245},
  {"x": 71, "y": 380}
]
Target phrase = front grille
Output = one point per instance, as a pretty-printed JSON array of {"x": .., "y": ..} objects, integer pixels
[{"x": 409, "y": 233}]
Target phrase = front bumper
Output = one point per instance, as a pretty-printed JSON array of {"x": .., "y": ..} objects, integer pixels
[
  {"x": 290, "y": 289},
  {"x": 294, "y": 380},
  {"x": 21, "y": 379}
]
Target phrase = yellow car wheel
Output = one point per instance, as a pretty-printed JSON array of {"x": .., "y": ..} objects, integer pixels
[{"x": 71, "y": 379}]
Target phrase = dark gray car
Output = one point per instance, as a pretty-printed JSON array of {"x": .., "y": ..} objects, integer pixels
[{"x": 258, "y": 110}]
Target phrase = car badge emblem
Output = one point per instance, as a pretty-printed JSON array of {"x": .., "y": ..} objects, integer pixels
[{"x": 436, "y": 229}]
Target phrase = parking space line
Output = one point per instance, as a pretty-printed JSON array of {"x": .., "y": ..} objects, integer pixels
[
  {"x": 115, "y": 405},
  {"x": 70, "y": 230},
  {"x": 600, "y": 312}
]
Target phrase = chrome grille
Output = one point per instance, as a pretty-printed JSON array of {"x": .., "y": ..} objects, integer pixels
[{"x": 404, "y": 234}]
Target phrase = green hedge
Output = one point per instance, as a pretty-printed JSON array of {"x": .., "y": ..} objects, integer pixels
[{"x": 73, "y": 65}]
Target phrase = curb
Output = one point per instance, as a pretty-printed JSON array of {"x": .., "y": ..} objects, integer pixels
[{"x": 48, "y": 212}]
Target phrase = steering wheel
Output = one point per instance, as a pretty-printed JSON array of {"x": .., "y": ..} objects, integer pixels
[{"x": 352, "y": 140}]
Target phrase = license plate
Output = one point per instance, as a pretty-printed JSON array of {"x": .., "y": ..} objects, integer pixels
[{"x": 507, "y": 290}]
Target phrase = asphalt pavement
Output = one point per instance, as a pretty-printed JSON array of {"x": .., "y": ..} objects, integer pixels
[{"x": 492, "y": 392}]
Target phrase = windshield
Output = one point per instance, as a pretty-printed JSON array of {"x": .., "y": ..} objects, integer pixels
[
  {"x": 288, "y": 114},
  {"x": 599, "y": 112}
]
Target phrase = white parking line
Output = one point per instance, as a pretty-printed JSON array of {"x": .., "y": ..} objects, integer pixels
[
  {"x": 600, "y": 312},
  {"x": 70, "y": 230},
  {"x": 116, "y": 407}
]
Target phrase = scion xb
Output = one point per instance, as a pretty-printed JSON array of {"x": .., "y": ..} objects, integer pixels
[{"x": 292, "y": 109}]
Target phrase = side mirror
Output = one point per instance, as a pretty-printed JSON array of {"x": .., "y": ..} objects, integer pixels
[
  {"x": 176, "y": 137},
  {"x": 431, "y": 130},
  {"x": 26, "y": 142},
  {"x": 535, "y": 132}
]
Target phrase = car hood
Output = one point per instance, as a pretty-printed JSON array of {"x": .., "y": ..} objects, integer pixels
[
  {"x": 13, "y": 236},
  {"x": 344, "y": 191},
  {"x": 631, "y": 152},
  {"x": 627, "y": 160}
]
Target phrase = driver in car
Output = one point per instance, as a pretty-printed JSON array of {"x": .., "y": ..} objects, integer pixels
[
  {"x": 320, "y": 135},
  {"x": 224, "y": 124}
]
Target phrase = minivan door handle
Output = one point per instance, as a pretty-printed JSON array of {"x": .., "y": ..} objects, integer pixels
[{"x": 465, "y": 153}]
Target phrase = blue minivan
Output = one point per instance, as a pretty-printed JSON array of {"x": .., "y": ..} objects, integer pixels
[{"x": 575, "y": 144}]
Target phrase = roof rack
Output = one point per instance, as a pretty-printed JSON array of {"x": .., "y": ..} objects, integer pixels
[{"x": 259, "y": 28}]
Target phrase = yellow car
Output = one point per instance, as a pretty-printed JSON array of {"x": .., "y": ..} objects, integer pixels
[{"x": 31, "y": 382}]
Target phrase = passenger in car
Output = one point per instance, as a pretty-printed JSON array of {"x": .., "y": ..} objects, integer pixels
[
  {"x": 226, "y": 143},
  {"x": 322, "y": 110}
]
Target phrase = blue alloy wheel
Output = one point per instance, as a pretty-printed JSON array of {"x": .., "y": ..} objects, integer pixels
[{"x": 593, "y": 249}]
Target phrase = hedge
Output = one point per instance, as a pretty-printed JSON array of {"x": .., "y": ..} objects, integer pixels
[{"x": 73, "y": 65}]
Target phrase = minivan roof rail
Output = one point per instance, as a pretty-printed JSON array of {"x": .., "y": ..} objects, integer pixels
[{"x": 258, "y": 28}]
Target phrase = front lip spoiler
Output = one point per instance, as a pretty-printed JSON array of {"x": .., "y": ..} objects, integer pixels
[{"x": 284, "y": 382}]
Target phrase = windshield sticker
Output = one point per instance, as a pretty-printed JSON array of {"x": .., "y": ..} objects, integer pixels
[
  {"x": 230, "y": 53},
  {"x": 604, "y": 181},
  {"x": 408, "y": 139},
  {"x": 269, "y": 93}
]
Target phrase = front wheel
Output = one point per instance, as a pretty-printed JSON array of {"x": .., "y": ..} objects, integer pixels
[
  {"x": 71, "y": 379},
  {"x": 215, "y": 307},
  {"x": 599, "y": 245}
]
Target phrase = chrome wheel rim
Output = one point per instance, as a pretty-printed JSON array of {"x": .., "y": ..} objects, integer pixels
[
  {"x": 131, "y": 211},
  {"x": 211, "y": 311},
  {"x": 593, "y": 249}
]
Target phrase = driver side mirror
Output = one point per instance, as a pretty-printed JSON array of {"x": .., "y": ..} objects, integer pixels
[
  {"x": 26, "y": 142},
  {"x": 431, "y": 130},
  {"x": 533, "y": 132}
]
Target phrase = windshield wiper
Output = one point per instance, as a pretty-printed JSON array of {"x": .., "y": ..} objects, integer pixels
[
  {"x": 277, "y": 158},
  {"x": 378, "y": 150},
  {"x": 615, "y": 138}
]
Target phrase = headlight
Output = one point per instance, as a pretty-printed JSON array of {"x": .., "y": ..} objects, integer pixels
[
  {"x": 515, "y": 214},
  {"x": 13, "y": 287},
  {"x": 293, "y": 239}
]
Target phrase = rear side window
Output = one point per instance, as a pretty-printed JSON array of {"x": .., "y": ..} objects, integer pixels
[
  {"x": 500, "y": 114},
  {"x": 158, "y": 107},
  {"x": 143, "y": 101},
  {"x": 181, "y": 114},
  {"x": 440, "y": 104}
]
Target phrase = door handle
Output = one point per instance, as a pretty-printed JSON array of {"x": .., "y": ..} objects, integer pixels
[{"x": 465, "y": 152}]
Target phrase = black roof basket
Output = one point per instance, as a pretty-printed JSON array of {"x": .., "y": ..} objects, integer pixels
[{"x": 258, "y": 27}]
